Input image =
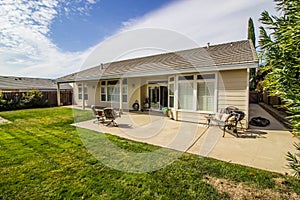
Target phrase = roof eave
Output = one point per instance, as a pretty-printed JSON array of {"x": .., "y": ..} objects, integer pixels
[{"x": 230, "y": 66}]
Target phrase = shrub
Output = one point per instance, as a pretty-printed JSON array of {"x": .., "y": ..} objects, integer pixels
[
  {"x": 294, "y": 161},
  {"x": 30, "y": 99}
]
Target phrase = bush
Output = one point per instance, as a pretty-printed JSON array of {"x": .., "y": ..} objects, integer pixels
[
  {"x": 294, "y": 161},
  {"x": 31, "y": 99}
]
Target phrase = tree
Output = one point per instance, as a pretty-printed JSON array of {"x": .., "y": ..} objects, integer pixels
[
  {"x": 251, "y": 36},
  {"x": 280, "y": 52},
  {"x": 251, "y": 32}
]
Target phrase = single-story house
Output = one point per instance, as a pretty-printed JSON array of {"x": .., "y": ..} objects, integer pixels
[
  {"x": 24, "y": 84},
  {"x": 10, "y": 86},
  {"x": 192, "y": 83}
]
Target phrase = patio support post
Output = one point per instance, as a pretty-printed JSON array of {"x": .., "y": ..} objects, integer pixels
[
  {"x": 83, "y": 100},
  {"x": 58, "y": 94},
  {"x": 176, "y": 96},
  {"x": 121, "y": 95}
]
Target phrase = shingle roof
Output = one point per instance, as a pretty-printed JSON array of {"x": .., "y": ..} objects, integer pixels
[
  {"x": 240, "y": 52},
  {"x": 24, "y": 83}
]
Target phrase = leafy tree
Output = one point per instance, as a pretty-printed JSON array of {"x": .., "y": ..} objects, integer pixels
[
  {"x": 251, "y": 36},
  {"x": 280, "y": 51}
]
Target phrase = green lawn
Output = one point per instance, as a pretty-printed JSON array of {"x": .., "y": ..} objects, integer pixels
[{"x": 42, "y": 157}]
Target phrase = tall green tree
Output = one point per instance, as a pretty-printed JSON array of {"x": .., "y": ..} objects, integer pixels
[
  {"x": 280, "y": 50},
  {"x": 251, "y": 31},
  {"x": 251, "y": 36}
]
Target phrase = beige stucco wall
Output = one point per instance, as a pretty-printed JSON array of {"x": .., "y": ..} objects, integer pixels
[{"x": 232, "y": 89}]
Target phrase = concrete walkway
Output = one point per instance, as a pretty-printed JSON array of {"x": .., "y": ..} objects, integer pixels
[{"x": 263, "y": 148}]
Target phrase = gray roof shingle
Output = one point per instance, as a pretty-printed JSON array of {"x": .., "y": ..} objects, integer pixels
[
  {"x": 239, "y": 52},
  {"x": 24, "y": 83}
]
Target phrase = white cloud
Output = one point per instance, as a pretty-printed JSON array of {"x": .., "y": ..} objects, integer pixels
[
  {"x": 215, "y": 21},
  {"x": 25, "y": 47}
]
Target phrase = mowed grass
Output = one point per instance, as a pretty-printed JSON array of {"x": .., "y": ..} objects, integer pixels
[{"x": 43, "y": 157}]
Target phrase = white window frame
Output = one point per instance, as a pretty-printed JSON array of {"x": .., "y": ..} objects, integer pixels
[
  {"x": 82, "y": 91},
  {"x": 171, "y": 82},
  {"x": 206, "y": 81},
  {"x": 194, "y": 84},
  {"x": 123, "y": 87}
]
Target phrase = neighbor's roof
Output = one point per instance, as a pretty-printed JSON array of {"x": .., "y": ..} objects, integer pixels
[
  {"x": 240, "y": 54},
  {"x": 24, "y": 83}
]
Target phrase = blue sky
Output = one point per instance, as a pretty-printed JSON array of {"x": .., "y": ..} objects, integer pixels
[
  {"x": 52, "y": 38},
  {"x": 104, "y": 19}
]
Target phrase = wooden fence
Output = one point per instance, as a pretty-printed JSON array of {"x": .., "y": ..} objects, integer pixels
[
  {"x": 50, "y": 96},
  {"x": 256, "y": 97}
]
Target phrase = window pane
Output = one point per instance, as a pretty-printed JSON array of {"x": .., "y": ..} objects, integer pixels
[
  {"x": 112, "y": 82},
  {"x": 205, "y": 96},
  {"x": 103, "y": 97},
  {"x": 124, "y": 98},
  {"x": 171, "y": 89},
  {"x": 79, "y": 96},
  {"x": 206, "y": 76},
  {"x": 186, "y": 78},
  {"x": 124, "y": 81},
  {"x": 185, "y": 95},
  {"x": 171, "y": 101}
]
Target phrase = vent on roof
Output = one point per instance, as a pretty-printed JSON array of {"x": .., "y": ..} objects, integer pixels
[{"x": 101, "y": 66}]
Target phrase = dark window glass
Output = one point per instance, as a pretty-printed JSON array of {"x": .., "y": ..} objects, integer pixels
[
  {"x": 186, "y": 78},
  {"x": 206, "y": 76},
  {"x": 112, "y": 82}
]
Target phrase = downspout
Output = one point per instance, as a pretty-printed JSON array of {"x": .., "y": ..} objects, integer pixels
[{"x": 247, "y": 100}]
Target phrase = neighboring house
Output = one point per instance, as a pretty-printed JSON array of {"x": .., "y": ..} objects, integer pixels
[
  {"x": 192, "y": 83},
  {"x": 23, "y": 84},
  {"x": 11, "y": 85}
]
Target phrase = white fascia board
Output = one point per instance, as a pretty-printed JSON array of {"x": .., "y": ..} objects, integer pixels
[{"x": 169, "y": 72}]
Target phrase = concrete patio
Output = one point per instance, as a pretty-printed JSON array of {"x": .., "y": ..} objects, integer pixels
[{"x": 263, "y": 148}]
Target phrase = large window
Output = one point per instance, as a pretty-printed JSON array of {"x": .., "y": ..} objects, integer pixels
[
  {"x": 185, "y": 92},
  {"x": 195, "y": 92},
  {"x": 171, "y": 91},
  {"x": 110, "y": 90},
  {"x": 103, "y": 91},
  {"x": 83, "y": 89},
  {"x": 206, "y": 92},
  {"x": 124, "y": 90},
  {"x": 113, "y": 91}
]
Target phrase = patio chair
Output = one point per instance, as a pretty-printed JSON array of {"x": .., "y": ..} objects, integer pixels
[
  {"x": 98, "y": 113},
  {"x": 227, "y": 118},
  {"x": 111, "y": 115}
]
